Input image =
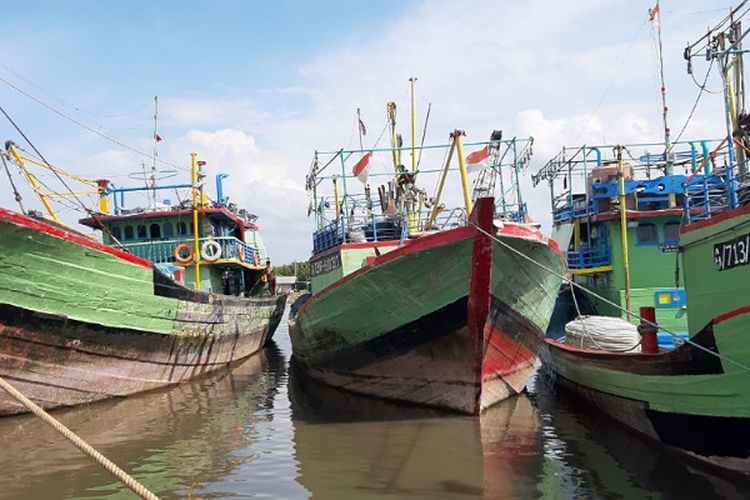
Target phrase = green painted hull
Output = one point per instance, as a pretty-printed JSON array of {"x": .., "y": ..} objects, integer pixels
[
  {"x": 80, "y": 321},
  {"x": 706, "y": 396},
  {"x": 399, "y": 327}
]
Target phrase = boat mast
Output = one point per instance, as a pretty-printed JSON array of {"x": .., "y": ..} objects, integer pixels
[
  {"x": 394, "y": 137},
  {"x": 156, "y": 153},
  {"x": 457, "y": 136},
  {"x": 412, "y": 81},
  {"x": 359, "y": 129},
  {"x": 623, "y": 227},
  {"x": 655, "y": 16},
  {"x": 196, "y": 236}
]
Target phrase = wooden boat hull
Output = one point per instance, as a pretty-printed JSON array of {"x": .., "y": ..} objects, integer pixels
[
  {"x": 696, "y": 398},
  {"x": 81, "y": 322},
  {"x": 451, "y": 320}
]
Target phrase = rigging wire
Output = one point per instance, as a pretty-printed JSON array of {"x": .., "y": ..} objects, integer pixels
[
  {"x": 718, "y": 26},
  {"x": 85, "y": 208},
  {"x": 68, "y": 103},
  {"x": 702, "y": 89},
  {"x": 606, "y": 300},
  {"x": 87, "y": 127}
]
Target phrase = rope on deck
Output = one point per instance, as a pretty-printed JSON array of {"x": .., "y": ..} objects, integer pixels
[
  {"x": 604, "y": 299},
  {"x": 120, "y": 474}
]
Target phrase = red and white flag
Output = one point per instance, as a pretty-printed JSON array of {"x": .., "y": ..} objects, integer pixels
[
  {"x": 477, "y": 160},
  {"x": 361, "y": 169},
  {"x": 157, "y": 137},
  {"x": 653, "y": 13}
]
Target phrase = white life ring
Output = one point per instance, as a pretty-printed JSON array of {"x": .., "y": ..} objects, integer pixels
[{"x": 211, "y": 250}]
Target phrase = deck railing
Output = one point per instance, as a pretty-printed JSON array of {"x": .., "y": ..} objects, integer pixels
[
  {"x": 589, "y": 258},
  {"x": 162, "y": 251}
]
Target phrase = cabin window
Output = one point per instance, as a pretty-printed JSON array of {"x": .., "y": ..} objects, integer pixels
[
  {"x": 116, "y": 233},
  {"x": 129, "y": 233},
  {"x": 182, "y": 228},
  {"x": 672, "y": 233},
  {"x": 155, "y": 231},
  {"x": 142, "y": 233},
  {"x": 168, "y": 230},
  {"x": 646, "y": 234}
]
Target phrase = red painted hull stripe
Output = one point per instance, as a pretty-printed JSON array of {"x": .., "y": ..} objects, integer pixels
[
  {"x": 43, "y": 227},
  {"x": 716, "y": 219},
  {"x": 731, "y": 314}
]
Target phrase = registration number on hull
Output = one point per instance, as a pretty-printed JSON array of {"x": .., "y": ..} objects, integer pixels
[{"x": 732, "y": 253}]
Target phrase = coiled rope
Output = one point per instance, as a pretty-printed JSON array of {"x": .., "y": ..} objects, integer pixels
[
  {"x": 82, "y": 445},
  {"x": 618, "y": 306}
]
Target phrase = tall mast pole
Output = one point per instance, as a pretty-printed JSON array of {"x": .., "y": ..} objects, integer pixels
[
  {"x": 359, "y": 129},
  {"x": 412, "y": 81},
  {"x": 156, "y": 153},
  {"x": 623, "y": 226},
  {"x": 655, "y": 15},
  {"x": 394, "y": 138},
  {"x": 196, "y": 227}
]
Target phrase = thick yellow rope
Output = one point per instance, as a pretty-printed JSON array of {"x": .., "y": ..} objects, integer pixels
[{"x": 120, "y": 474}]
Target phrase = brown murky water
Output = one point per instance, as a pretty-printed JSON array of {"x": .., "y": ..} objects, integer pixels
[{"x": 261, "y": 430}]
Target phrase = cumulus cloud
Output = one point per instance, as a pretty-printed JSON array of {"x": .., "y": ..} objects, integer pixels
[{"x": 563, "y": 72}]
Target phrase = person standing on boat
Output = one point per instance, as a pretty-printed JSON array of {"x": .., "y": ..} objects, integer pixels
[{"x": 270, "y": 277}]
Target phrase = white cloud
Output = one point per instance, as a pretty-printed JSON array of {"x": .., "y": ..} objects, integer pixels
[{"x": 534, "y": 68}]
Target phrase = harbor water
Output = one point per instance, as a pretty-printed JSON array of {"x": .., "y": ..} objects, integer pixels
[{"x": 261, "y": 430}]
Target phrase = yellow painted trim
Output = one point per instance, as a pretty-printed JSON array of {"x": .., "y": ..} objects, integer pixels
[
  {"x": 196, "y": 234},
  {"x": 252, "y": 267},
  {"x": 592, "y": 270},
  {"x": 457, "y": 137}
]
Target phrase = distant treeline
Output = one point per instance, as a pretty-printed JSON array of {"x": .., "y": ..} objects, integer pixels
[{"x": 302, "y": 270}]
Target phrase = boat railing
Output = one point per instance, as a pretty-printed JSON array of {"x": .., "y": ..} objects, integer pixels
[
  {"x": 381, "y": 228},
  {"x": 163, "y": 251},
  {"x": 589, "y": 258},
  {"x": 705, "y": 195}
]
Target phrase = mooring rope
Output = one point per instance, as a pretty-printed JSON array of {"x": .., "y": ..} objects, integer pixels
[
  {"x": 617, "y": 306},
  {"x": 82, "y": 445}
]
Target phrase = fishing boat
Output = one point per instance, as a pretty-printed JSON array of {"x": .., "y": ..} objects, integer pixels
[
  {"x": 621, "y": 239},
  {"x": 696, "y": 398},
  {"x": 416, "y": 302},
  {"x": 169, "y": 294}
]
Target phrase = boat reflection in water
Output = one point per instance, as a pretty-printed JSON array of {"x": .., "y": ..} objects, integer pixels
[
  {"x": 587, "y": 453},
  {"x": 353, "y": 446},
  {"x": 174, "y": 441}
]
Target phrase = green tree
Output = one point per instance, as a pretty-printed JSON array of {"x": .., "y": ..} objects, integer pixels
[{"x": 299, "y": 269}]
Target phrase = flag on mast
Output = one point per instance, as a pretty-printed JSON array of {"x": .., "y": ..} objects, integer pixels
[
  {"x": 477, "y": 160},
  {"x": 653, "y": 13},
  {"x": 157, "y": 137},
  {"x": 361, "y": 169}
]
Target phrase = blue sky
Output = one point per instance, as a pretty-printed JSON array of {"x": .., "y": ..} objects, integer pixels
[{"x": 256, "y": 87}]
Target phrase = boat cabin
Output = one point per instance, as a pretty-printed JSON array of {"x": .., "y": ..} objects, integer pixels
[
  {"x": 227, "y": 250},
  {"x": 586, "y": 195}
]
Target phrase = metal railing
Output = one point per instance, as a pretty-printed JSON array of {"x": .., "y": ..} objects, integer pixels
[
  {"x": 589, "y": 258},
  {"x": 162, "y": 251}
]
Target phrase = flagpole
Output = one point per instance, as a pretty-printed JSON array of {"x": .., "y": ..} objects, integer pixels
[
  {"x": 655, "y": 15},
  {"x": 156, "y": 141},
  {"x": 359, "y": 129}
]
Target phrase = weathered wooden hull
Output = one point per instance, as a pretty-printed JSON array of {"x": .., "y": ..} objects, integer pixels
[
  {"x": 81, "y": 322},
  {"x": 452, "y": 320}
]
